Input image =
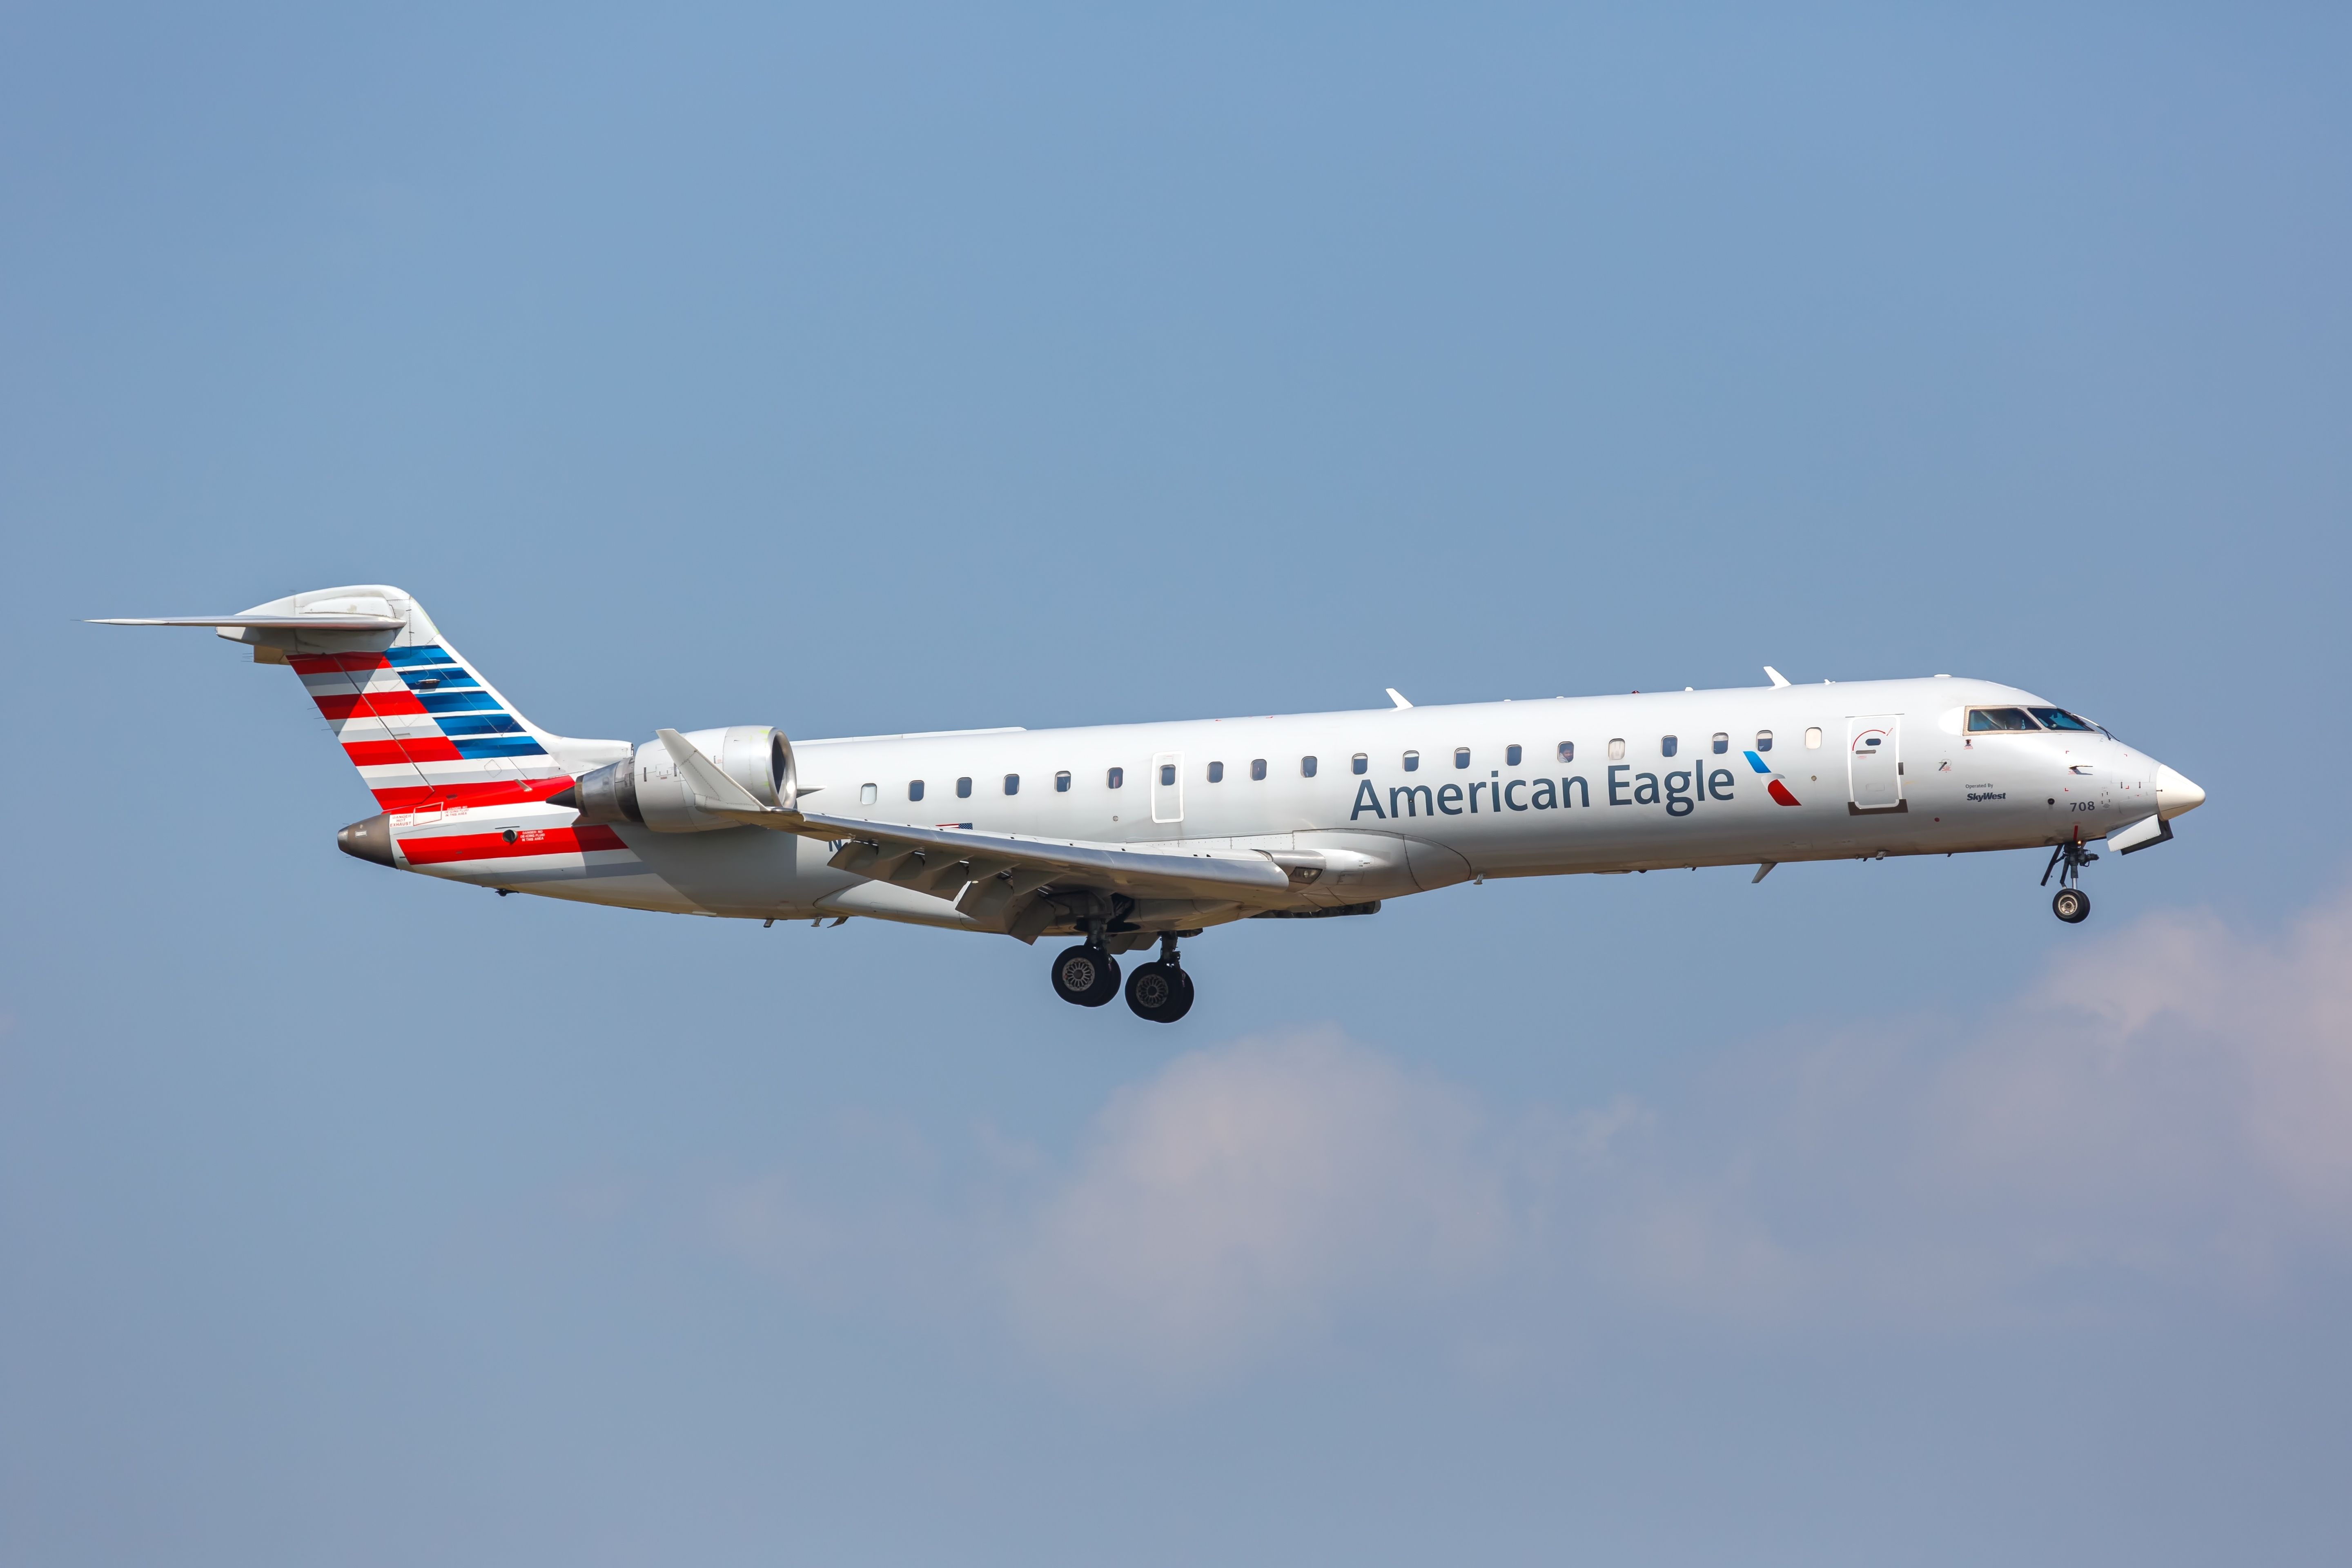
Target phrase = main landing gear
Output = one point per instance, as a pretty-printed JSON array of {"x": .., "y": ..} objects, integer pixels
[
  {"x": 1159, "y": 992},
  {"x": 1086, "y": 975},
  {"x": 2072, "y": 904}
]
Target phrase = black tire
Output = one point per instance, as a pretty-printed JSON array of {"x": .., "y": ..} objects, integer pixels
[
  {"x": 1160, "y": 993},
  {"x": 2071, "y": 905},
  {"x": 1085, "y": 976}
]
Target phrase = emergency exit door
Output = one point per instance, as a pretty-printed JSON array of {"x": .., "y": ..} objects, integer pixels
[
  {"x": 1167, "y": 787},
  {"x": 1873, "y": 762}
]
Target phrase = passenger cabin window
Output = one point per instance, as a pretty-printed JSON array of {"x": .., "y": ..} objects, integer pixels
[
  {"x": 1722, "y": 742},
  {"x": 1763, "y": 740},
  {"x": 1115, "y": 778},
  {"x": 1568, "y": 751},
  {"x": 1668, "y": 745},
  {"x": 868, "y": 793},
  {"x": 1814, "y": 738},
  {"x": 1511, "y": 755},
  {"x": 914, "y": 789},
  {"x": 1062, "y": 784},
  {"x": 1168, "y": 773},
  {"x": 1012, "y": 784},
  {"x": 1360, "y": 763},
  {"x": 1616, "y": 751},
  {"x": 963, "y": 789},
  {"x": 1307, "y": 767},
  {"x": 1257, "y": 768},
  {"x": 1983, "y": 721},
  {"x": 1461, "y": 756},
  {"x": 1413, "y": 762},
  {"x": 1216, "y": 773},
  {"x": 2059, "y": 719}
]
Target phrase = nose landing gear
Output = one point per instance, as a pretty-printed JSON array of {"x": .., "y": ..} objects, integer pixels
[{"x": 2072, "y": 904}]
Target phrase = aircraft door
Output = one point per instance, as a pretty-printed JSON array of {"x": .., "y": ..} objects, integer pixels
[
  {"x": 1873, "y": 762},
  {"x": 1167, "y": 787}
]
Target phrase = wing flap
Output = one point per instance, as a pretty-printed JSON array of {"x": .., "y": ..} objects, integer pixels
[{"x": 1004, "y": 867}]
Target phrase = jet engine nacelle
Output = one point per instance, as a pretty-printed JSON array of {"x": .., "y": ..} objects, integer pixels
[{"x": 649, "y": 789}]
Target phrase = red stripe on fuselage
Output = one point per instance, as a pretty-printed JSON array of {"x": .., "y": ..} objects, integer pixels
[
  {"x": 1779, "y": 791},
  {"x": 371, "y": 705},
  {"x": 496, "y": 792},
  {"x": 528, "y": 841},
  {"x": 419, "y": 749}
]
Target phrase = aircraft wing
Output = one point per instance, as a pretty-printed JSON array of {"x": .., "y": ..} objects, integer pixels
[
  {"x": 941, "y": 860},
  {"x": 996, "y": 873}
]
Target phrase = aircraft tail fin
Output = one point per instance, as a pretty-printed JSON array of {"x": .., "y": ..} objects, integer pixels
[{"x": 425, "y": 731}]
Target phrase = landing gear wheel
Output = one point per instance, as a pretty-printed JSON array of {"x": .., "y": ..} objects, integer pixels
[
  {"x": 1085, "y": 976},
  {"x": 2071, "y": 905},
  {"x": 1160, "y": 993}
]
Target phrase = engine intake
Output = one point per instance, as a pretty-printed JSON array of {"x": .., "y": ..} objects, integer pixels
[{"x": 647, "y": 788}]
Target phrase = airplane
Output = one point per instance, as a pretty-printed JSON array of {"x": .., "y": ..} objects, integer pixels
[{"x": 1125, "y": 835}]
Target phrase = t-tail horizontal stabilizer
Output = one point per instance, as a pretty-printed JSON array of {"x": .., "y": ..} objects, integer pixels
[{"x": 307, "y": 622}]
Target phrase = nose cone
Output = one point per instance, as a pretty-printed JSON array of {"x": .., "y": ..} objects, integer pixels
[{"x": 2175, "y": 795}]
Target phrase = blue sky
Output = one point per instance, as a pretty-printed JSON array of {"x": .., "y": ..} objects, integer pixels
[{"x": 925, "y": 368}]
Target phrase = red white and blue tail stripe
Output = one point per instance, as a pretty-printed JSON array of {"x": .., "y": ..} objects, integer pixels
[
  {"x": 422, "y": 725},
  {"x": 460, "y": 778}
]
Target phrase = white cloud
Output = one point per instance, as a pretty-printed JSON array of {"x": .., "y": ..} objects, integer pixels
[
  {"x": 1247, "y": 1191},
  {"x": 2170, "y": 1108},
  {"x": 2169, "y": 1104}
]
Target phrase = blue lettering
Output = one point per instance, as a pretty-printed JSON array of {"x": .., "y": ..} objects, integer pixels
[{"x": 1678, "y": 801}]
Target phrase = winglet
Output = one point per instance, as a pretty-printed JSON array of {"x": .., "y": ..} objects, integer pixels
[
  {"x": 1777, "y": 679},
  {"x": 1398, "y": 697}
]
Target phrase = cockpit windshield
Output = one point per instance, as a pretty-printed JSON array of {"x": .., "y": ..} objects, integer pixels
[
  {"x": 1991, "y": 720},
  {"x": 2059, "y": 719},
  {"x": 1983, "y": 718}
]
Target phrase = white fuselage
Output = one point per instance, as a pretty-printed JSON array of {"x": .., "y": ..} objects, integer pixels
[{"x": 1444, "y": 795}]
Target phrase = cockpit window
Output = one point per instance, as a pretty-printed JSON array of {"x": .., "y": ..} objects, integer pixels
[
  {"x": 2059, "y": 719},
  {"x": 1983, "y": 718}
]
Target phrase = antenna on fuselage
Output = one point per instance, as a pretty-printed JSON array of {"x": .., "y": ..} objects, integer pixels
[
  {"x": 1398, "y": 697},
  {"x": 1777, "y": 679}
]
